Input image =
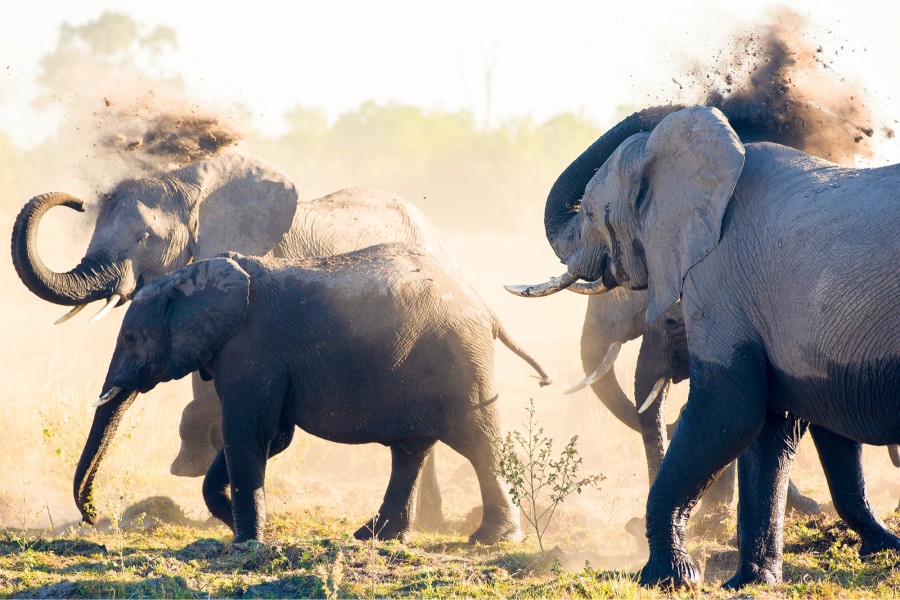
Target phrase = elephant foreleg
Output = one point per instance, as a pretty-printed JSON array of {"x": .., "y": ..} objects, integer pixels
[
  {"x": 394, "y": 518},
  {"x": 200, "y": 430},
  {"x": 722, "y": 417},
  {"x": 763, "y": 471},
  {"x": 216, "y": 490},
  {"x": 842, "y": 462}
]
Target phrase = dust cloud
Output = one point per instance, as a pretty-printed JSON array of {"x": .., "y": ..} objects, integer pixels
[
  {"x": 775, "y": 84},
  {"x": 772, "y": 82},
  {"x": 158, "y": 142}
]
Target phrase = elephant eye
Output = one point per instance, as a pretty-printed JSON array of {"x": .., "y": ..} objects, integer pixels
[
  {"x": 129, "y": 338},
  {"x": 142, "y": 237},
  {"x": 642, "y": 194}
]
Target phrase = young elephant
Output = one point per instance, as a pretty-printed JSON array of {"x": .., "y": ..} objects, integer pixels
[{"x": 380, "y": 345}]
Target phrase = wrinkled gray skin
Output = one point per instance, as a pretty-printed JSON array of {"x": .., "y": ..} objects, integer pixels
[
  {"x": 150, "y": 226},
  {"x": 618, "y": 317},
  {"x": 383, "y": 345},
  {"x": 786, "y": 267}
]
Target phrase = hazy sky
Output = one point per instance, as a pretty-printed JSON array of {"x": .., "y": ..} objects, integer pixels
[{"x": 533, "y": 58}]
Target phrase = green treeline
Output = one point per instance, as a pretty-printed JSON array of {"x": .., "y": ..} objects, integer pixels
[{"x": 464, "y": 176}]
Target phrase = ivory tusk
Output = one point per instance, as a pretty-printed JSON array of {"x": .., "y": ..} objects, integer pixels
[
  {"x": 605, "y": 365},
  {"x": 593, "y": 288},
  {"x": 894, "y": 451},
  {"x": 651, "y": 397},
  {"x": 110, "y": 304},
  {"x": 69, "y": 314},
  {"x": 540, "y": 290},
  {"x": 109, "y": 395}
]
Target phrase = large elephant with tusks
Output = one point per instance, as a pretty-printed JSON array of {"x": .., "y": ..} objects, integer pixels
[{"x": 786, "y": 269}]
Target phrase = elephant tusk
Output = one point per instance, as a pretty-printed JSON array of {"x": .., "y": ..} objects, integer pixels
[
  {"x": 651, "y": 397},
  {"x": 109, "y": 395},
  {"x": 894, "y": 451},
  {"x": 594, "y": 288},
  {"x": 110, "y": 304},
  {"x": 69, "y": 314},
  {"x": 605, "y": 365},
  {"x": 540, "y": 290}
]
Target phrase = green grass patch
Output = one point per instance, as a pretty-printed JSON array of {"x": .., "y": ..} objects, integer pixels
[{"x": 313, "y": 555}]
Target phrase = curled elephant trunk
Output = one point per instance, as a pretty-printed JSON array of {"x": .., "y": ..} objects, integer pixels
[
  {"x": 107, "y": 417},
  {"x": 94, "y": 278},
  {"x": 565, "y": 196}
]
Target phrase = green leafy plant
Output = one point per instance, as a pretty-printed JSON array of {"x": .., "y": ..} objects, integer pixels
[{"x": 539, "y": 482}]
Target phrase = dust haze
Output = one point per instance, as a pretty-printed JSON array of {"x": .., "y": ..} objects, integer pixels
[{"x": 772, "y": 81}]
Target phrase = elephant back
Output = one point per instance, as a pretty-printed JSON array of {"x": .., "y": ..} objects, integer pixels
[{"x": 356, "y": 218}]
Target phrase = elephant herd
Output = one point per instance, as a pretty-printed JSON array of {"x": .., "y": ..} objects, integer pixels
[{"x": 768, "y": 277}]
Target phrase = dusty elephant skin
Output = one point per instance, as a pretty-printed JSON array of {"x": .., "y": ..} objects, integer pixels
[
  {"x": 786, "y": 267},
  {"x": 382, "y": 345},
  {"x": 150, "y": 226}
]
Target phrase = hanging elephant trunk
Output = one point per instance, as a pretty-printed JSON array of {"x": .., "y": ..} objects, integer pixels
[
  {"x": 96, "y": 277},
  {"x": 103, "y": 428}
]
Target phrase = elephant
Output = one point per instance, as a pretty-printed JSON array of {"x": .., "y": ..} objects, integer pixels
[
  {"x": 751, "y": 240},
  {"x": 382, "y": 345},
  {"x": 149, "y": 226}
]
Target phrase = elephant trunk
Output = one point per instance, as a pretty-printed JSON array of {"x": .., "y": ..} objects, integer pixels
[
  {"x": 94, "y": 278},
  {"x": 568, "y": 189},
  {"x": 103, "y": 429}
]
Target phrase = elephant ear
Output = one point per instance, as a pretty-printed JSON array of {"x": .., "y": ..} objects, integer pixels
[
  {"x": 695, "y": 159},
  {"x": 243, "y": 204},
  {"x": 207, "y": 304}
]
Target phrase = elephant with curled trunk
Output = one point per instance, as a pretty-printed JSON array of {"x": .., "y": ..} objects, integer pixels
[
  {"x": 785, "y": 266},
  {"x": 149, "y": 226},
  {"x": 383, "y": 345}
]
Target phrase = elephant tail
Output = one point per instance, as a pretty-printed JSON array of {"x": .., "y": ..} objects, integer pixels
[{"x": 501, "y": 334}]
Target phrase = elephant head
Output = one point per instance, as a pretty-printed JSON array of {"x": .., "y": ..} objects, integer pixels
[
  {"x": 174, "y": 326},
  {"x": 150, "y": 226},
  {"x": 652, "y": 209}
]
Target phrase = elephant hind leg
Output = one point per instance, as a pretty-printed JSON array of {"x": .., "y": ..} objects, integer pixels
[
  {"x": 841, "y": 460},
  {"x": 429, "y": 510},
  {"x": 394, "y": 518},
  {"x": 473, "y": 439}
]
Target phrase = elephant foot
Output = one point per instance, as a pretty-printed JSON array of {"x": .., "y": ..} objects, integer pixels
[
  {"x": 193, "y": 462},
  {"x": 491, "y": 532},
  {"x": 712, "y": 520},
  {"x": 383, "y": 528},
  {"x": 675, "y": 572},
  {"x": 753, "y": 575},
  {"x": 637, "y": 527},
  {"x": 800, "y": 503},
  {"x": 431, "y": 521},
  {"x": 875, "y": 543}
]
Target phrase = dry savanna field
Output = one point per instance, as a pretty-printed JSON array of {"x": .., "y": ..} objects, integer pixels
[{"x": 157, "y": 540}]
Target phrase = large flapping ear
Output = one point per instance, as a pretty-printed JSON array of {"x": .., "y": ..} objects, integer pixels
[
  {"x": 695, "y": 159},
  {"x": 243, "y": 204},
  {"x": 208, "y": 302}
]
